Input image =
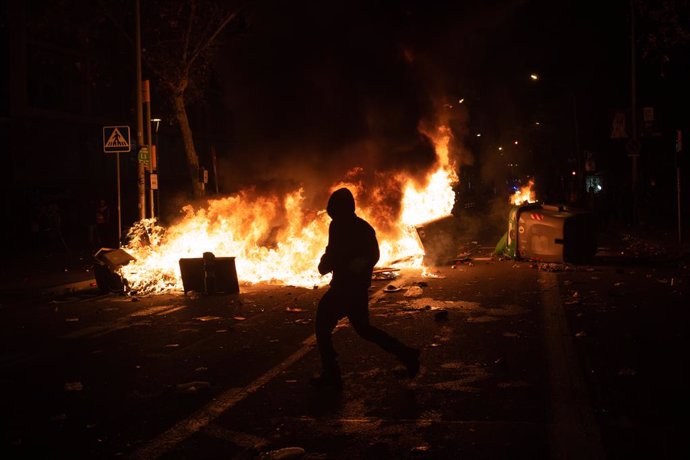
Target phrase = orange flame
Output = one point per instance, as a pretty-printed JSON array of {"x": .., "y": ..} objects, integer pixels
[
  {"x": 275, "y": 239},
  {"x": 526, "y": 194}
]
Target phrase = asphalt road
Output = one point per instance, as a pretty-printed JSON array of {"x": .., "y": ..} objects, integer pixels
[{"x": 528, "y": 363}]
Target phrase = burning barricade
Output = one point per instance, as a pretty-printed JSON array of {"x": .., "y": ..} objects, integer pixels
[{"x": 277, "y": 238}]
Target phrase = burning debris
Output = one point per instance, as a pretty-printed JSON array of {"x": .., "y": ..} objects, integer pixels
[{"x": 525, "y": 195}]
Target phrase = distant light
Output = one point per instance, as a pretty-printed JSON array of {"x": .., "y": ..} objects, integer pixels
[
  {"x": 574, "y": 173},
  {"x": 479, "y": 134},
  {"x": 500, "y": 148},
  {"x": 516, "y": 142},
  {"x": 599, "y": 188},
  {"x": 537, "y": 123},
  {"x": 461, "y": 100},
  {"x": 534, "y": 76},
  {"x": 156, "y": 120}
]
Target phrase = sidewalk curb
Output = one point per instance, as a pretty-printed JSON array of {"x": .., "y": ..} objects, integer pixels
[
  {"x": 69, "y": 288},
  {"x": 51, "y": 291}
]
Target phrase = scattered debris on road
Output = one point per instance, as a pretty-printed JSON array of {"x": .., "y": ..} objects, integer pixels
[
  {"x": 385, "y": 273},
  {"x": 192, "y": 387},
  {"x": 73, "y": 386},
  {"x": 413, "y": 291},
  {"x": 207, "y": 318}
]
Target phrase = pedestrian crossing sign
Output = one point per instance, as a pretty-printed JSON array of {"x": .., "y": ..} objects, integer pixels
[{"x": 116, "y": 139}]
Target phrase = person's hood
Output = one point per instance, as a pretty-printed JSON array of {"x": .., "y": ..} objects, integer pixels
[{"x": 341, "y": 204}]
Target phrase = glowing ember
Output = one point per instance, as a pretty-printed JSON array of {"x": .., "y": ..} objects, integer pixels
[
  {"x": 275, "y": 239},
  {"x": 526, "y": 194}
]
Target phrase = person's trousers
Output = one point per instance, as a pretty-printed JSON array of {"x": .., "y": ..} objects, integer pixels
[{"x": 338, "y": 303}]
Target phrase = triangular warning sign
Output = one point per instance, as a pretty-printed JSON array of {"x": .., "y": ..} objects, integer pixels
[{"x": 116, "y": 140}]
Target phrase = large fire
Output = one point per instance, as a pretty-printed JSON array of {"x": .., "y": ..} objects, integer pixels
[{"x": 275, "y": 239}]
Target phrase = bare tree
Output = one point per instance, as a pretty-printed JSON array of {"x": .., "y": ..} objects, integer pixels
[
  {"x": 665, "y": 28},
  {"x": 180, "y": 42}
]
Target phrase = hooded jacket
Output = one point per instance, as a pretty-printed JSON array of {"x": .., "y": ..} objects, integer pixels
[{"x": 352, "y": 249}]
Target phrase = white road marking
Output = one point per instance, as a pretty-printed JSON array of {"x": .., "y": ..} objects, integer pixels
[
  {"x": 171, "y": 310},
  {"x": 121, "y": 323},
  {"x": 157, "y": 310},
  {"x": 573, "y": 430}
]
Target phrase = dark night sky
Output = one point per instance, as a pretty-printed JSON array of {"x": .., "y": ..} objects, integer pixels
[{"x": 322, "y": 86}]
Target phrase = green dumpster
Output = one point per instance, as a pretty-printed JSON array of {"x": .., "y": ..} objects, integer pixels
[{"x": 550, "y": 233}]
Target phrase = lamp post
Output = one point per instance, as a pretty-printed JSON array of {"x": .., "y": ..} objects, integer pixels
[{"x": 141, "y": 174}]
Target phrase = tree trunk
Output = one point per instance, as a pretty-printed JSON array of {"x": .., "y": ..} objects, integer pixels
[{"x": 188, "y": 140}]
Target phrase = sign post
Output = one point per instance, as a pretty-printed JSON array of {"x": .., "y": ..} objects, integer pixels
[
  {"x": 116, "y": 140},
  {"x": 150, "y": 162},
  {"x": 679, "y": 148}
]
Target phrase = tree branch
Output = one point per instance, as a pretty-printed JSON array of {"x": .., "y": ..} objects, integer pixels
[
  {"x": 188, "y": 33},
  {"x": 203, "y": 44},
  {"x": 115, "y": 22}
]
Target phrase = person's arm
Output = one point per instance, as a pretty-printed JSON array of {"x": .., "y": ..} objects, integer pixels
[{"x": 326, "y": 262}]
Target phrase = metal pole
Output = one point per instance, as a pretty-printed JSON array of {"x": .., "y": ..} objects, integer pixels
[
  {"x": 149, "y": 140},
  {"x": 633, "y": 110},
  {"x": 119, "y": 207},
  {"x": 680, "y": 235},
  {"x": 679, "y": 144},
  {"x": 141, "y": 174}
]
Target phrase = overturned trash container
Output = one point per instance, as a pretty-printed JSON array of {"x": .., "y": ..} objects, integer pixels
[
  {"x": 209, "y": 274},
  {"x": 105, "y": 270},
  {"x": 551, "y": 233},
  {"x": 440, "y": 239}
]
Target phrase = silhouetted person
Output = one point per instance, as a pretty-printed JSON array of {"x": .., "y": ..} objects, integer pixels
[
  {"x": 101, "y": 228},
  {"x": 351, "y": 254}
]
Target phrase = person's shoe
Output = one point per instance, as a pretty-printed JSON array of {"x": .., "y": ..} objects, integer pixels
[
  {"x": 411, "y": 362},
  {"x": 327, "y": 380}
]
